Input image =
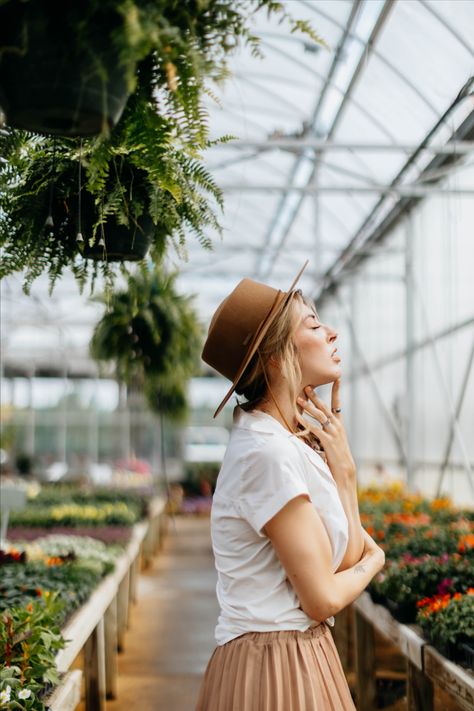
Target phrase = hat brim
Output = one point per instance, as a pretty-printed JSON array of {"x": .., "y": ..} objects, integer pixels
[{"x": 280, "y": 299}]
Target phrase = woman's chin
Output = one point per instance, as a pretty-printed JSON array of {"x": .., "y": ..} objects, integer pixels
[
  {"x": 326, "y": 379},
  {"x": 335, "y": 374}
]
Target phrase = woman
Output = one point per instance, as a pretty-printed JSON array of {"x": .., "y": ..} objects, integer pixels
[{"x": 290, "y": 551}]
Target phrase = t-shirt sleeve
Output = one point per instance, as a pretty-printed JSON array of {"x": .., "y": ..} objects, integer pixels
[{"x": 271, "y": 476}]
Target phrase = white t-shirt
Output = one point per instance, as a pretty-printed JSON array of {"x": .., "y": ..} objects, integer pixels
[{"x": 264, "y": 467}]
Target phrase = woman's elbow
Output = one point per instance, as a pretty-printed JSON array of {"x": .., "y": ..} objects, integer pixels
[{"x": 321, "y": 609}]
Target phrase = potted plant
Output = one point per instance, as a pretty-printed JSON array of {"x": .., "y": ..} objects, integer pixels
[
  {"x": 448, "y": 623},
  {"x": 151, "y": 334},
  {"x": 402, "y": 583},
  {"x": 72, "y": 76},
  {"x": 28, "y": 671},
  {"x": 68, "y": 203},
  {"x": 155, "y": 147},
  {"x": 63, "y": 75},
  {"x": 434, "y": 540}
]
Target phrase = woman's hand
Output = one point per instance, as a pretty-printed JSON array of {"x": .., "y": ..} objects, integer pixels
[{"x": 331, "y": 432}]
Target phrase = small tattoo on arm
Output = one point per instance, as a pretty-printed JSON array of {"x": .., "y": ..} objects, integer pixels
[{"x": 359, "y": 569}]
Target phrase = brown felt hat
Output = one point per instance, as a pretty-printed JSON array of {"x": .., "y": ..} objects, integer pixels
[{"x": 239, "y": 326}]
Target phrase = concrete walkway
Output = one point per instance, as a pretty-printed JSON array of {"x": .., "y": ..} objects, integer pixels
[{"x": 171, "y": 634}]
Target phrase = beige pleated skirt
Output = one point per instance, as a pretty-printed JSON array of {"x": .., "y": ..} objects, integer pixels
[{"x": 276, "y": 671}]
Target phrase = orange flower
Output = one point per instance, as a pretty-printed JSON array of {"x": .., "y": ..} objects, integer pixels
[
  {"x": 408, "y": 519},
  {"x": 38, "y": 592},
  {"x": 466, "y": 541},
  {"x": 54, "y": 561},
  {"x": 29, "y": 607},
  {"x": 442, "y": 502},
  {"x": 423, "y": 602}
]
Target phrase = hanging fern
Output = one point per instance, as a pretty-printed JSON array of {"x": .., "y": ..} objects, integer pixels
[
  {"x": 151, "y": 334},
  {"x": 150, "y": 166},
  {"x": 139, "y": 171}
]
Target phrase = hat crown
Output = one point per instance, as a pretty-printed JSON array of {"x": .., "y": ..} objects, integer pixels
[{"x": 235, "y": 323}]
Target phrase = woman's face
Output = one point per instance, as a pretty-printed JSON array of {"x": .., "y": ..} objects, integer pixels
[{"x": 315, "y": 345}]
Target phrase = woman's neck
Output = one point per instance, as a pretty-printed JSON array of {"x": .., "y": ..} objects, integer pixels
[{"x": 280, "y": 407}]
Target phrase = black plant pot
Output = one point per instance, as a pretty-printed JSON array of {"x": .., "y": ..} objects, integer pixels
[
  {"x": 54, "y": 83},
  {"x": 467, "y": 654},
  {"x": 404, "y": 612},
  {"x": 122, "y": 244},
  {"x": 377, "y": 597},
  {"x": 461, "y": 652}
]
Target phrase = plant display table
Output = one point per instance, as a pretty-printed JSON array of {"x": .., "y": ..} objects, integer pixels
[
  {"x": 67, "y": 696},
  {"x": 425, "y": 665},
  {"x": 98, "y": 627}
]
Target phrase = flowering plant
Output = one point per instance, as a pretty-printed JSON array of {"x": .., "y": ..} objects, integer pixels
[
  {"x": 73, "y": 583},
  {"x": 403, "y": 582},
  {"x": 29, "y": 641},
  {"x": 72, "y": 514},
  {"x": 448, "y": 622},
  {"x": 434, "y": 540}
]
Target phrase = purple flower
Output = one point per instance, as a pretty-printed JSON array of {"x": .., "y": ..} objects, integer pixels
[{"x": 445, "y": 586}]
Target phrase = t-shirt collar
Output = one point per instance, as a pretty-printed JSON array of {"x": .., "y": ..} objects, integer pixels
[{"x": 259, "y": 421}]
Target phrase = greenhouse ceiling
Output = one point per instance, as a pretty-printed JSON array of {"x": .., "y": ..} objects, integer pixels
[{"x": 331, "y": 146}]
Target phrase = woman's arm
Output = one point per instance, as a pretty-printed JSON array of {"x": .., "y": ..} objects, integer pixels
[
  {"x": 348, "y": 495},
  {"x": 302, "y": 544}
]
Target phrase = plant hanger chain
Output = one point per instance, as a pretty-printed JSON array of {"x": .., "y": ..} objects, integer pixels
[
  {"x": 79, "y": 237},
  {"x": 49, "y": 222}
]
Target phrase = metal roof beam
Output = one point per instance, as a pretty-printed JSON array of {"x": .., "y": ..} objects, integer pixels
[
  {"x": 369, "y": 235},
  {"x": 319, "y": 144},
  {"x": 347, "y": 96},
  {"x": 309, "y": 128},
  {"x": 406, "y": 80},
  {"x": 397, "y": 190}
]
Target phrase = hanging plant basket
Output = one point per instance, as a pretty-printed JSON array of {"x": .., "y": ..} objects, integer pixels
[
  {"x": 113, "y": 242},
  {"x": 121, "y": 243},
  {"x": 55, "y": 79}
]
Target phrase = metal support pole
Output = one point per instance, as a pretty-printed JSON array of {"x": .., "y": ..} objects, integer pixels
[
  {"x": 410, "y": 421},
  {"x": 124, "y": 420},
  {"x": 354, "y": 383},
  {"x": 459, "y": 405},
  {"x": 31, "y": 428},
  {"x": 94, "y": 426},
  {"x": 62, "y": 424}
]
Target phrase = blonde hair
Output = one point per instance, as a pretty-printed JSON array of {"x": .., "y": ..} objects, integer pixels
[{"x": 278, "y": 344}]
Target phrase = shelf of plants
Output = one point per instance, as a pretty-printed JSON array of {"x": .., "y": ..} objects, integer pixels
[
  {"x": 70, "y": 590},
  {"x": 423, "y": 599}
]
